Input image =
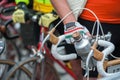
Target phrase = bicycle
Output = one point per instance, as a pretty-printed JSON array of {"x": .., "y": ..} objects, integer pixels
[
  {"x": 5, "y": 62},
  {"x": 42, "y": 51},
  {"x": 45, "y": 58},
  {"x": 7, "y": 56},
  {"x": 98, "y": 56}
]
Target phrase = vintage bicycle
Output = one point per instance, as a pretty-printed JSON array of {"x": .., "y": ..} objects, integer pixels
[
  {"x": 42, "y": 60},
  {"x": 43, "y": 51}
]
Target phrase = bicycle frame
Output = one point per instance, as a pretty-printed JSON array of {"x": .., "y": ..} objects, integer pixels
[{"x": 48, "y": 54}]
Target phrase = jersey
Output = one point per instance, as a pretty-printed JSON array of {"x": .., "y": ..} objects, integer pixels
[
  {"x": 43, "y": 6},
  {"x": 107, "y": 11}
]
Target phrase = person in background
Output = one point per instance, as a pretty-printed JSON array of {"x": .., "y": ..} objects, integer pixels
[
  {"x": 107, "y": 11},
  {"x": 43, "y": 6},
  {"x": 37, "y": 5}
]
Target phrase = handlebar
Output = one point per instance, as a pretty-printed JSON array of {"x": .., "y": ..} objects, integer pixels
[
  {"x": 5, "y": 28},
  {"x": 98, "y": 55},
  {"x": 58, "y": 40},
  {"x": 109, "y": 48},
  {"x": 8, "y": 9},
  {"x": 56, "y": 54},
  {"x": 5, "y": 10},
  {"x": 116, "y": 76}
]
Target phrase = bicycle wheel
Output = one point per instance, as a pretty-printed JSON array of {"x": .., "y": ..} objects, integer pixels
[
  {"x": 9, "y": 75},
  {"x": 6, "y": 65},
  {"x": 46, "y": 71},
  {"x": 49, "y": 71}
]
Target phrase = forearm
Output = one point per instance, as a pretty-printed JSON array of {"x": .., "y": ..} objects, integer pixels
[{"x": 62, "y": 8}]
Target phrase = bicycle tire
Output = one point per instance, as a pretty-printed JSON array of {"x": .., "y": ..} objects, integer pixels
[
  {"x": 17, "y": 66},
  {"x": 11, "y": 63},
  {"x": 50, "y": 72}
]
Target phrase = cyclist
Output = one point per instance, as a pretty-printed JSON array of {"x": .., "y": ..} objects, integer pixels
[
  {"x": 107, "y": 11},
  {"x": 37, "y": 5}
]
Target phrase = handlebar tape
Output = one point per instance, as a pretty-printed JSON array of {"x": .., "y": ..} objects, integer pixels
[
  {"x": 109, "y": 48},
  {"x": 12, "y": 8}
]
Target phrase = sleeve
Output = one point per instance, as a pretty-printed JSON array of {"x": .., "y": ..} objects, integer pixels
[{"x": 25, "y": 1}]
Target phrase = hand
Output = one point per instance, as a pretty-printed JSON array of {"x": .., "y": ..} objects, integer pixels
[
  {"x": 18, "y": 16},
  {"x": 21, "y": 14},
  {"x": 74, "y": 31},
  {"x": 46, "y": 19}
]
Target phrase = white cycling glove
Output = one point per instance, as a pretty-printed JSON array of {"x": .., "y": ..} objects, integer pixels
[
  {"x": 46, "y": 19},
  {"x": 73, "y": 27}
]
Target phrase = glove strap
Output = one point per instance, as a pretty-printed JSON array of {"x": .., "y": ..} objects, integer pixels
[
  {"x": 68, "y": 25},
  {"x": 76, "y": 26}
]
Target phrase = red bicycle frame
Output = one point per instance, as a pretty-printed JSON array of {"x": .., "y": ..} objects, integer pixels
[{"x": 48, "y": 54}]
